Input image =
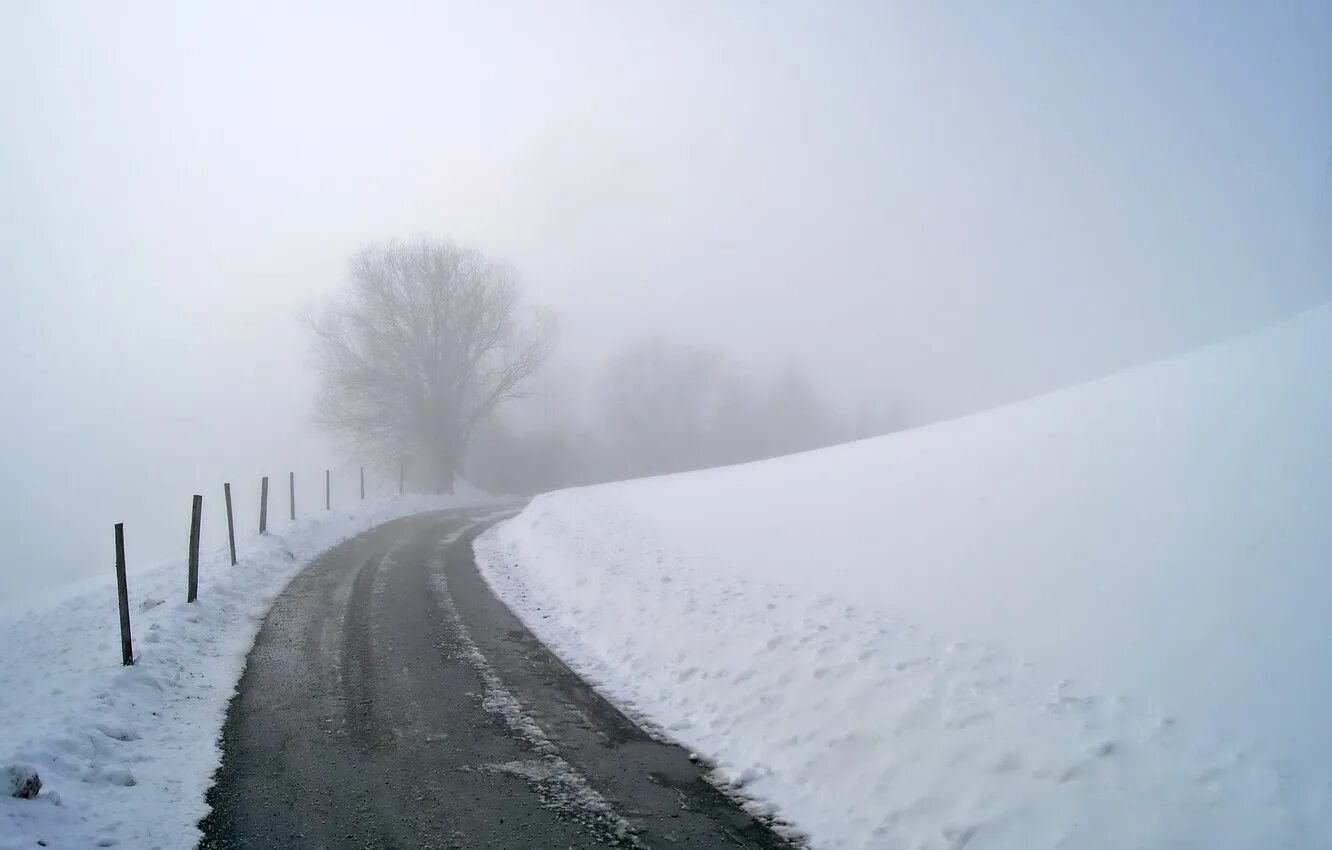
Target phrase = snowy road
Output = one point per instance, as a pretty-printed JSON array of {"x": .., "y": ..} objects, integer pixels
[{"x": 392, "y": 701}]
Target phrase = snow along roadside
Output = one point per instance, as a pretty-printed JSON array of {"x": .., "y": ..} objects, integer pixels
[
  {"x": 126, "y": 754},
  {"x": 854, "y": 725}
]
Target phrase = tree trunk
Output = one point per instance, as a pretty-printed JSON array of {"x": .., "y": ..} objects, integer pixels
[{"x": 445, "y": 468}]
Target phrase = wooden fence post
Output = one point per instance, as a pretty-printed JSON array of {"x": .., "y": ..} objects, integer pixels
[
  {"x": 328, "y": 491},
  {"x": 231, "y": 523},
  {"x": 263, "y": 506},
  {"x": 122, "y": 591},
  {"x": 291, "y": 493},
  {"x": 196, "y": 518},
  {"x": 363, "y": 484}
]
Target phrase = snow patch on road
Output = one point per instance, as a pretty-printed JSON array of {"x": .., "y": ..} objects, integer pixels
[
  {"x": 125, "y": 754},
  {"x": 1095, "y": 620},
  {"x": 558, "y": 784}
]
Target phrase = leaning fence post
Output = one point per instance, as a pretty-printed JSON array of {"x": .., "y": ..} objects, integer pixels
[
  {"x": 328, "y": 491},
  {"x": 231, "y": 524},
  {"x": 122, "y": 591},
  {"x": 291, "y": 493},
  {"x": 363, "y": 484},
  {"x": 263, "y": 506},
  {"x": 196, "y": 518}
]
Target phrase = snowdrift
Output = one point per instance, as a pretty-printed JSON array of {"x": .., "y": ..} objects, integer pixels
[{"x": 1101, "y": 618}]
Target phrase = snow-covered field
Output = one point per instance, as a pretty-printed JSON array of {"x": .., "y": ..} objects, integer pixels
[
  {"x": 1101, "y": 618},
  {"x": 125, "y": 754}
]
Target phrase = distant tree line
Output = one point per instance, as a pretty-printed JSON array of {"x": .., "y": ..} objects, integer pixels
[
  {"x": 661, "y": 407},
  {"x": 423, "y": 352}
]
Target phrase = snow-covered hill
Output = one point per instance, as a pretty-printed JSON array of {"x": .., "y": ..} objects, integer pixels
[{"x": 1098, "y": 619}]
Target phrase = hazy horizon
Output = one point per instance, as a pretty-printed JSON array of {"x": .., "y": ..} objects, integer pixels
[{"x": 931, "y": 209}]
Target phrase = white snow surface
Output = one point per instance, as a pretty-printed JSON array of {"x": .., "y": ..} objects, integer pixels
[
  {"x": 1101, "y": 618},
  {"x": 126, "y": 754}
]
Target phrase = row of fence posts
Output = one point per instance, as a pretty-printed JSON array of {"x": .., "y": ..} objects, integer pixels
[{"x": 196, "y": 527}]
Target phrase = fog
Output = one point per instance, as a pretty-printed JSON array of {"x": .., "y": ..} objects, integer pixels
[{"x": 926, "y": 211}]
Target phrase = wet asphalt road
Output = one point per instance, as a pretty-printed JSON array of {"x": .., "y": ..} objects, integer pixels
[{"x": 391, "y": 701}]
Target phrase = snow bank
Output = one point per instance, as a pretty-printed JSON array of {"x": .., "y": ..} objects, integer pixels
[
  {"x": 125, "y": 754},
  {"x": 1098, "y": 619}
]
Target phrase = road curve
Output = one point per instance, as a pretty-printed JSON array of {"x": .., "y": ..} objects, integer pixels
[{"x": 391, "y": 701}]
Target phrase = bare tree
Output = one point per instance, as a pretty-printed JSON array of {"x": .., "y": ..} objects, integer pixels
[{"x": 426, "y": 341}]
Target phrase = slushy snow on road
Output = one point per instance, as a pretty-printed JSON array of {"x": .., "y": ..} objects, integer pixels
[
  {"x": 126, "y": 754},
  {"x": 1099, "y": 619}
]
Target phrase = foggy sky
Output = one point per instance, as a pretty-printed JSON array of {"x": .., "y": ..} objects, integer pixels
[{"x": 943, "y": 209}]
